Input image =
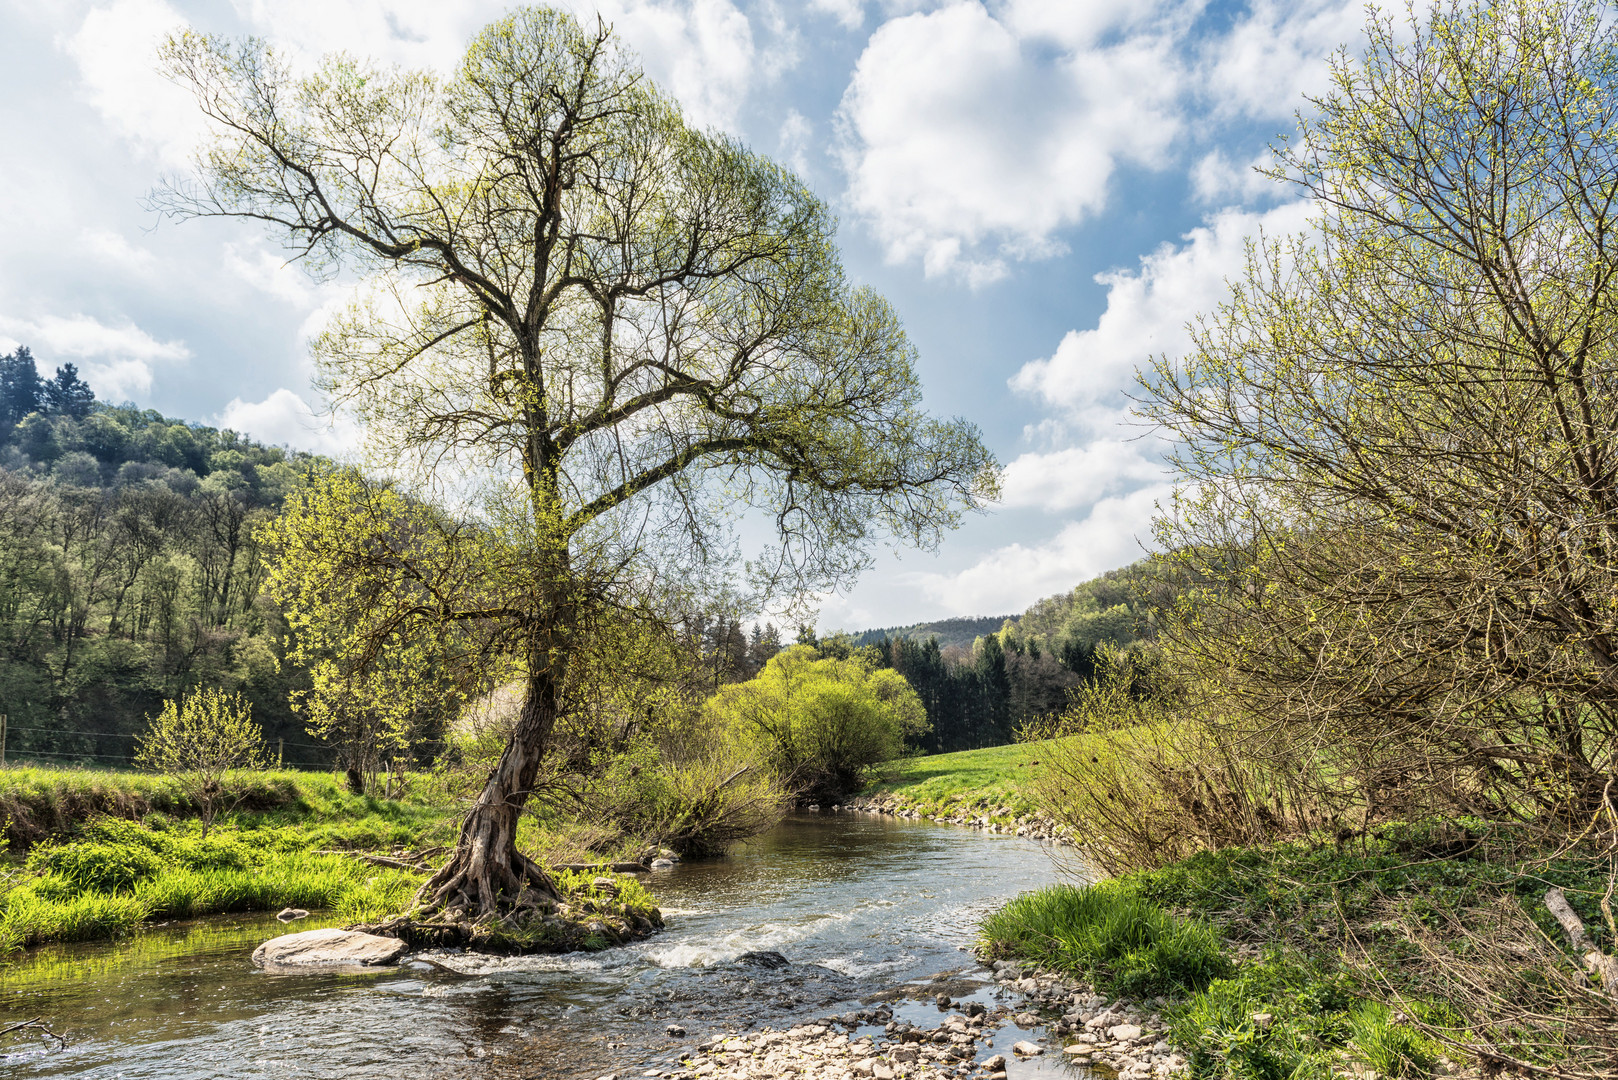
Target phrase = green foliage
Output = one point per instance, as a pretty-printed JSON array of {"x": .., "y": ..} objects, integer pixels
[
  {"x": 1110, "y": 935},
  {"x": 700, "y": 803},
  {"x": 28, "y": 918},
  {"x": 375, "y": 693},
  {"x": 819, "y": 723},
  {"x": 200, "y": 738},
  {"x": 118, "y": 874},
  {"x": 129, "y": 574}
]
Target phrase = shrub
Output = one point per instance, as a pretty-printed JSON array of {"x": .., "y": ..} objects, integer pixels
[
  {"x": 199, "y": 739},
  {"x": 1142, "y": 779},
  {"x": 821, "y": 722},
  {"x": 701, "y": 805}
]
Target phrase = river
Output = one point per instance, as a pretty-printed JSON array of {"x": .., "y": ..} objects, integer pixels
[{"x": 859, "y": 904}]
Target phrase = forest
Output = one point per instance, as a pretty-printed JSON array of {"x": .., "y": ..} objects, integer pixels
[
  {"x": 129, "y": 569},
  {"x": 132, "y": 570}
]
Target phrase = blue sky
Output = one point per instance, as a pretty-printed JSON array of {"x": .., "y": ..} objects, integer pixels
[{"x": 1047, "y": 191}]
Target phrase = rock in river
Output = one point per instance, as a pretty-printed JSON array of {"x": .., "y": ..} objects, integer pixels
[
  {"x": 329, "y": 947},
  {"x": 767, "y": 958}
]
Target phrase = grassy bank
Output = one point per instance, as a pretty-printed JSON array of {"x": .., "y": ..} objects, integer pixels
[
  {"x": 39, "y": 803},
  {"x": 1308, "y": 960},
  {"x": 979, "y": 781},
  {"x": 98, "y": 855},
  {"x": 114, "y": 876}
]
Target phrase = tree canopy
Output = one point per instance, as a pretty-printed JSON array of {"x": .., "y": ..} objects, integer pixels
[
  {"x": 820, "y": 722},
  {"x": 1401, "y": 515},
  {"x": 599, "y": 331}
]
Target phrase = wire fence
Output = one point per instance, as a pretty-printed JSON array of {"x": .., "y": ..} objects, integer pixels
[
  {"x": 116, "y": 735},
  {"x": 19, "y": 755}
]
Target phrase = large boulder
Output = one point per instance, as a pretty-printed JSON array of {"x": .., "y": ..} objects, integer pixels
[{"x": 328, "y": 948}]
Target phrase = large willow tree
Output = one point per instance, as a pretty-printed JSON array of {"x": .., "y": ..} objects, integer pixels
[
  {"x": 599, "y": 331},
  {"x": 1401, "y": 434}
]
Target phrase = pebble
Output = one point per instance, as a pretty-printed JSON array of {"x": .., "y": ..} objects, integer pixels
[{"x": 1112, "y": 1035}]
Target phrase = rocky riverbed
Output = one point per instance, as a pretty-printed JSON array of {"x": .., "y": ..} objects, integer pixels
[
  {"x": 993, "y": 819},
  {"x": 1031, "y": 1017}
]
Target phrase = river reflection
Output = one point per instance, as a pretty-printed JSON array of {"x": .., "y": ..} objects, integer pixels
[{"x": 858, "y": 903}]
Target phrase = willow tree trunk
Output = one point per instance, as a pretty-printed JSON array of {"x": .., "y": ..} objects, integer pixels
[{"x": 487, "y": 875}]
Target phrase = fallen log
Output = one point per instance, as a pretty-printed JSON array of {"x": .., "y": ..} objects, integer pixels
[
  {"x": 1598, "y": 963},
  {"x": 617, "y": 867}
]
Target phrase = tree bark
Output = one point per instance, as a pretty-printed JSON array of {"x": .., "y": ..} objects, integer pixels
[{"x": 487, "y": 876}]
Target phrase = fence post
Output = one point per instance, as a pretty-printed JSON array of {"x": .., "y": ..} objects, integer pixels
[{"x": 2, "y": 738}]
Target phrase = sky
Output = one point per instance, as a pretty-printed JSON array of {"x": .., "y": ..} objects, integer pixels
[{"x": 1046, "y": 190}]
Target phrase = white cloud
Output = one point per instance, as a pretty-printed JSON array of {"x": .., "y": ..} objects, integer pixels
[
  {"x": 701, "y": 51},
  {"x": 1116, "y": 532},
  {"x": 112, "y": 249},
  {"x": 78, "y": 336},
  {"x": 969, "y": 141},
  {"x": 117, "y": 360},
  {"x": 1077, "y": 476},
  {"x": 1276, "y": 53},
  {"x": 796, "y": 131},
  {"x": 850, "y": 13},
  {"x": 1219, "y": 181},
  {"x": 115, "y": 49},
  {"x": 1147, "y": 312},
  {"x": 285, "y": 418}
]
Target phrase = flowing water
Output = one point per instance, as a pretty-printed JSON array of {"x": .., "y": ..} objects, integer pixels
[{"x": 859, "y": 904}]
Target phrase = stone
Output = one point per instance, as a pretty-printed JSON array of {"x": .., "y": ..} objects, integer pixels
[
  {"x": 765, "y": 958},
  {"x": 291, "y": 914},
  {"x": 995, "y": 1064},
  {"x": 881, "y": 1071},
  {"x": 328, "y": 948},
  {"x": 1027, "y": 1049},
  {"x": 943, "y": 1001},
  {"x": 1124, "y": 1033},
  {"x": 675, "y": 1030},
  {"x": 1263, "y": 1020},
  {"x": 1076, "y": 1049},
  {"x": 662, "y": 864},
  {"x": 864, "y": 1067},
  {"x": 1025, "y": 1020}
]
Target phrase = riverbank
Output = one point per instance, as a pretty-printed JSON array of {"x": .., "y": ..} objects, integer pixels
[
  {"x": 978, "y": 789},
  {"x": 856, "y": 904},
  {"x": 981, "y": 1040},
  {"x": 1422, "y": 950},
  {"x": 98, "y": 855}
]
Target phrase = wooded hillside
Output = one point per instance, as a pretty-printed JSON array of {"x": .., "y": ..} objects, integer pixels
[{"x": 128, "y": 568}]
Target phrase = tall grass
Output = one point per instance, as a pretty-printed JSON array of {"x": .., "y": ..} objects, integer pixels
[
  {"x": 1109, "y": 935},
  {"x": 117, "y": 875}
]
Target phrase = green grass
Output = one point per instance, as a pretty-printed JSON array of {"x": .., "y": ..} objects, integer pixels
[
  {"x": 38, "y": 803},
  {"x": 116, "y": 875},
  {"x": 91, "y": 873},
  {"x": 1109, "y": 935},
  {"x": 1332, "y": 924},
  {"x": 965, "y": 781}
]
